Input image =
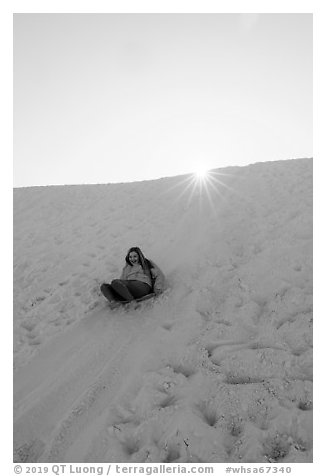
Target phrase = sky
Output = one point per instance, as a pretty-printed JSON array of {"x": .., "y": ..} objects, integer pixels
[{"x": 107, "y": 97}]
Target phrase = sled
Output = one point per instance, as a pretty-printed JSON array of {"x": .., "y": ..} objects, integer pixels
[
  {"x": 135, "y": 302},
  {"x": 143, "y": 298}
]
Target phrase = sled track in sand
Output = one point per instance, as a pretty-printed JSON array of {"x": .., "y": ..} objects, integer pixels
[{"x": 85, "y": 369}]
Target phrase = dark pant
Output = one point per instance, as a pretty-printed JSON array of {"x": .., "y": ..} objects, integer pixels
[{"x": 125, "y": 290}]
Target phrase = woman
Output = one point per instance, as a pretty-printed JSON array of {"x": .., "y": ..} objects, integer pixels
[{"x": 139, "y": 277}]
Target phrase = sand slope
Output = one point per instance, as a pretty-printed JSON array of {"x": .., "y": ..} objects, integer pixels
[{"x": 217, "y": 369}]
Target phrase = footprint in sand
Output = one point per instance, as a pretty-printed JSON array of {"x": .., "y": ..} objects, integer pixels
[
  {"x": 63, "y": 283},
  {"x": 38, "y": 300},
  {"x": 28, "y": 325},
  {"x": 167, "y": 326}
]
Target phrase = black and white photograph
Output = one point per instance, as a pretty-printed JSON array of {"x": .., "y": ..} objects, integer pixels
[{"x": 162, "y": 238}]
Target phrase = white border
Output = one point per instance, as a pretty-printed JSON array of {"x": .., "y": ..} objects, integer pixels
[{"x": 167, "y": 6}]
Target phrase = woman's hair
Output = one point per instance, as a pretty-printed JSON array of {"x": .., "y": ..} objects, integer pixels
[{"x": 145, "y": 263}]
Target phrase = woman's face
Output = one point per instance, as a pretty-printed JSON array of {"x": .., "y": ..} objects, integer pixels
[{"x": 133, "y": 257}]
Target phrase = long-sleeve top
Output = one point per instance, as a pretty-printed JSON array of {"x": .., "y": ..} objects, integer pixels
[{"x": 136, "y": 272}]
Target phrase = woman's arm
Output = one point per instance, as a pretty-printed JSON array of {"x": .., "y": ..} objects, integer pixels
[
  {"x": 159, "y": 279},
  {"x": 124, "y": 273}
]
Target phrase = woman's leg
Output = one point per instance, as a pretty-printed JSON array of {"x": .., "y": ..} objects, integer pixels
[
  {"x": 121, "y": 288},
  {"x": 110, "y": 294},
  {"x": 138, "y": 289},
  {"x": 130, "y": 290}
]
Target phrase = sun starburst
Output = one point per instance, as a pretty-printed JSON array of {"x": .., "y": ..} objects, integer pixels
[
  {"x": 201, "y": 173},
  {"x": 203, "y": 185}
]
